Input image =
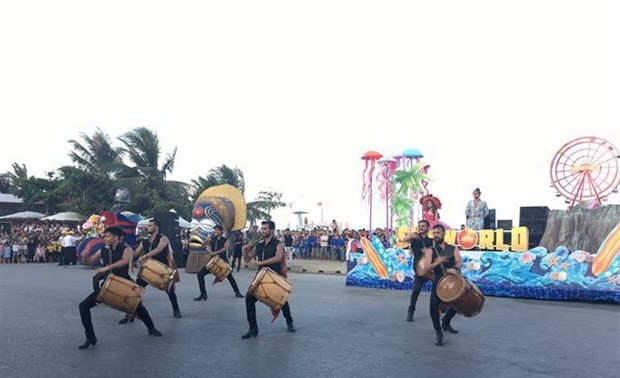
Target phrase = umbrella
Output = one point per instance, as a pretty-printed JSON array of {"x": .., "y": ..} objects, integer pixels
[
  {"x": 24, "y": 215},
  {"x": 65, "y": 217}
]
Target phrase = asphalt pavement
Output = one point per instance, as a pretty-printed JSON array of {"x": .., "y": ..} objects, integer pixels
[{"x": 341, "y": 332}]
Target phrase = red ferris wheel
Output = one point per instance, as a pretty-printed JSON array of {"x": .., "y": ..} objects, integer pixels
[{"x": 586, "y": 168}]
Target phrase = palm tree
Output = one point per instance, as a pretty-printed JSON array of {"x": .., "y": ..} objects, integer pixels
[
  {"x": 95, "y": 154},
  {"x": 218, "y": 176},
  {"x": 148, "y": 177},
  {"x": 223, "y": 174},
  {"x": 408, "y": 184},
  {"x": 142, "y": 148}
]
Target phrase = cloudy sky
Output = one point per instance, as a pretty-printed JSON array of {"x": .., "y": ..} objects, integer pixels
[{"x": 293, "y": 93}]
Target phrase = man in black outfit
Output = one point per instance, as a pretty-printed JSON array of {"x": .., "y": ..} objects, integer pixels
[
  {"x": 157, "y": 246},
  {"x": 116, "y": 257},
  {"x": 237, "y": 253},
  {"x": 419, "y": 241},
  {"x": 437, "y": 258},
  {"x": 270, "y": 254},
  {"x": 217, "y": 246}
]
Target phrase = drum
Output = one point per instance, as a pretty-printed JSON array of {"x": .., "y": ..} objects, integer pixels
[
  {"x": 420, "y": 267},
  {"x": 271, "y": 288},
  {"x": 219, "y": 267},
  {"x": 460, "y": 294},
  {"x": 157, "y": 274},
  {"x": 120, "y": 293},
  {"x": 196, "y": 261}
]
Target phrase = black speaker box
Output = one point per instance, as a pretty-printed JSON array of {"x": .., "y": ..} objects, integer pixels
[
  {"x": 505, "y": 224},
  {"x": 533, "y": 212},
  {"x": 489, "y": 221},
  {"x": 168, "y": 222},
  {"x": 536, "y": 226},
  {"x": 170, "y": 228}
]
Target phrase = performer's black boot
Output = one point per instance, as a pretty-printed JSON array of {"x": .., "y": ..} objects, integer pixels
[
  {"x": 448, "y": 328},
  {"x": 177, "y": 313},
  {"x": 252, "y": 332},
  {"x": 201, "y": 297},
  {"x": 238, "y": 295},
  {"x": 410, "y": 316},
  {"x": 90, "y": 340},
  {"x": 154, "y": 332},
  {"x": 439, "y": 338},
  {"x": 126, "y": 319},
  {"x": 290, "y": 327}
]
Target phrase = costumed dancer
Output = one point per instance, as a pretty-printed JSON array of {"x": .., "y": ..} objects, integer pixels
[
  {"x": 216, "y": 246},
  {"x": 430, "y": 207},
  {"x": 437, "y": 258},
  {"x": 268, "y": 253},
  {"x": 116, "y": 258},
  {"x": 157, "y": 247},
  {"x": 418, "y": 242}
]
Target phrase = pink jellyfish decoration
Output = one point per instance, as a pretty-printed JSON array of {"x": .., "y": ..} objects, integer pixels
[
  {"x": 384, "y": 184},
  {"x": 370, "y": 159}
]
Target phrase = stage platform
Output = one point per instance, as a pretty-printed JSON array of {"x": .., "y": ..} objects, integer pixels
[{"x": 537, "y": 274}]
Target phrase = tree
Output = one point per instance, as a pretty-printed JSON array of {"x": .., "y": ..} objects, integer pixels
[
  {"x": 220, "y": 175},
  {"x": 146, "y": 177},
  {"x": 97, "y": 155},
  {"x": 34, "y": 190},
  {"x": 269, "y": 200},
  {"x": 85, "y": 192},
  {"x": 407, "y": 184},
  {"x": 258, "y": 209}
]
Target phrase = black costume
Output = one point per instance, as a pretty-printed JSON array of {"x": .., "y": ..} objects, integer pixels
[
  {"x": 216, "y": 244},
  {"x": 110, "y": 257},
  {"x": 162, "y": 257},
  {"x": 265, "y": 252},
  {"x": 417, "y": 248},
  {"x": 447, "y": 252}
]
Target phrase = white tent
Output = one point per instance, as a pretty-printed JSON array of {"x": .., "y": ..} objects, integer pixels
[
  {"x": 65, "y": 217},
  {"x": 24, "y": 215},
  {"x": 182, "y": 223}
]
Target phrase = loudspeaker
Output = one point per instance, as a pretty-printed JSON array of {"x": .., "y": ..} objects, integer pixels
[
  {"x": 535, "y": 219},
  {"x": 489, "y": 221},
  {"x": 170, "y": 228},
  {"x": 505, "y": 224},
  {"x": 533, "y": 212},
  {"x": 168, "y": 221}
]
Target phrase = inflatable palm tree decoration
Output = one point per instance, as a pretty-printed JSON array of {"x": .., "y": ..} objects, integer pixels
[{"x": 409, "y": 184}]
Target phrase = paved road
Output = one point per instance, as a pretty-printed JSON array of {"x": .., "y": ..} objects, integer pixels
[{"x": 342, "y": 332}]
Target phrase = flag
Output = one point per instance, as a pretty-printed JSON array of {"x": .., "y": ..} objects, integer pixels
[{"x": 320, "y": 203}]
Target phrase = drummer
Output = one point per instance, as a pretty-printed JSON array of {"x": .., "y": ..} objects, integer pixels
[
  {"x": 217, "y": 246},
  {"x": 270, "y": 254},
  {"x": 437, "y": 258},
  {"x": 156, "y": 246},
  {"x": 116, "y": 257}
]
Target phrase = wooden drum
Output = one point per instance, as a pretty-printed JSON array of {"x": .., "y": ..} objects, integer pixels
[
  {"x": 460, "y": 294},
  {"x": 120, "y": 293},
  {"x": 219, "y": 267},
  {"x": 157, "y": 274},
  {"x": 271, "y": 288}
]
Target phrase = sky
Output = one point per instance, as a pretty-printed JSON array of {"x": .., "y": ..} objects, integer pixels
[{"x": 294, "y": 93}]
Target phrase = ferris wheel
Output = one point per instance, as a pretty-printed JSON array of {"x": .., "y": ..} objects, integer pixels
[{"x": 586, "y": 168}]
